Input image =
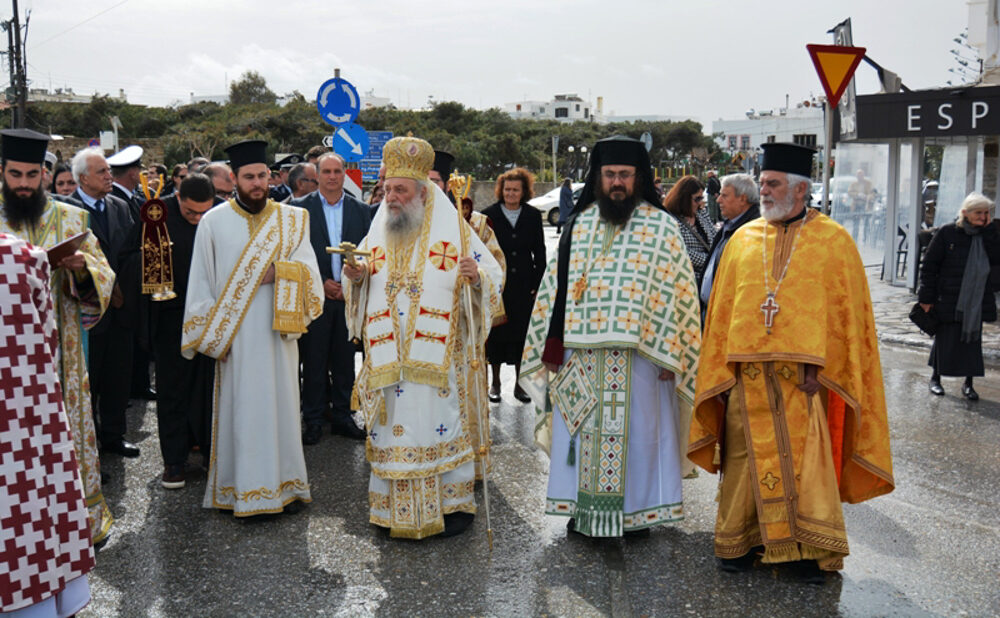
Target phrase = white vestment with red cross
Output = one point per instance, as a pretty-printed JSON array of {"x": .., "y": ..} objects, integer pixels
[{"x": 44, "y": 534}]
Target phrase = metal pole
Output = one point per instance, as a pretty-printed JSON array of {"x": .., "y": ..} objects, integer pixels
[
  {"x": 555, "y": 141},
  {"x": 827, "y": 147}
]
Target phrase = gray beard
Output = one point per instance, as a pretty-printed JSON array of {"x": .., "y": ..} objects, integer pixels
[
  {"x": 777, "y": 211},
  {"x": 401, "y": 227}
]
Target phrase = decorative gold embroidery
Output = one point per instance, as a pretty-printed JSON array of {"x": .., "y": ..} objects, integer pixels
[
  {"x": 397, "y": 430},
  {"x": 751, "y": 371},
  {"x": 770, "y": 480},
  {"x": 786, "y": 372},
  {"x": 264, "y": 493}
]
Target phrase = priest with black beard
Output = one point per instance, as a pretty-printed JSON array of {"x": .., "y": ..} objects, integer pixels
[
  {"x": 612, "y": 349},
  {"x": 81, "y": 285}
]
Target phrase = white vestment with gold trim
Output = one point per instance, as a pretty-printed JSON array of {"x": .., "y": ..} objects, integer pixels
[
  {"x": 256, "y": 464},
  {"x": 416, "y": 388}
]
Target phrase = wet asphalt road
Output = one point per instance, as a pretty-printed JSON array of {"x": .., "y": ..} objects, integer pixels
[
  {"x": 929, "y": 548},
  {"x": 932, "y": 547}
]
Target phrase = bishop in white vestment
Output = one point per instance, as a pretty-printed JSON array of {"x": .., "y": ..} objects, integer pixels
[
  {"x": 253, "y": 288},
  {"x": 419, "y": 385}
]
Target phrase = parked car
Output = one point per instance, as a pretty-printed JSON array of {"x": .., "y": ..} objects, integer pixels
[{"x": 549, "y": 203}]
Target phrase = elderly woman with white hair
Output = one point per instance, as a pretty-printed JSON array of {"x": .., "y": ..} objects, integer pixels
[{"x": 955, "y": 284}]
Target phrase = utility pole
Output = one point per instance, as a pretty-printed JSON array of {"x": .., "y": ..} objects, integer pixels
[{"x": 18, "y": 91}]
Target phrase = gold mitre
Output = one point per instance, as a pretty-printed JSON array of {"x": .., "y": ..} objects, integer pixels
[{"x": 407, "y": 157}]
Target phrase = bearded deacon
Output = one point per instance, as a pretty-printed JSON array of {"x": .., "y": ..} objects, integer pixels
[
  {"x": 421, "y": 304},
  {"x": 790, "y": 404},
  {"x": 81, "y": 286},
  {"x": 253, "y": 287},
  {"x": 612, "y": 345}
]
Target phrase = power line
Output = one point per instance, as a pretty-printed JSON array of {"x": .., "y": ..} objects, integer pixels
[{"x": 89, "y": 19}]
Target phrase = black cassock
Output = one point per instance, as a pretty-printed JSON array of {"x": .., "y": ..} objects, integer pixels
[{"x": 184, "y": 387}]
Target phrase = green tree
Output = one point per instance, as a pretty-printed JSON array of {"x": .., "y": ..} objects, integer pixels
[{"x": 251, "y": 87}]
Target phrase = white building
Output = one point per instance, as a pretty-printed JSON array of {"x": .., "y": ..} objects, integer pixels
[
  {"x": 801, "y": 124},
  {"x": 563, "y": 107}
]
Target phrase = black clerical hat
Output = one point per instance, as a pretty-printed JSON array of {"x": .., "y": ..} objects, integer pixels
[
  {"x": 618, "y": 150},
  {"x": 444, "y": 164},
  {"x": 247, "y": 152},
  {"x": 23, "y": 145},
  {"x": 788, "y": 158}
]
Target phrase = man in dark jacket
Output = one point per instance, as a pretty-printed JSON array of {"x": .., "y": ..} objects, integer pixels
[
  {"x": 109, "y": 360},
  {"x": 184, "y": 407},
  {"x": 334, "y": 217},
  {"x": 739, "y": 200}
]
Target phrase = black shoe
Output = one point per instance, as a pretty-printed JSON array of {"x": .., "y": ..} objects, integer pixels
[
  {"x": 809, "y": 572},
  {"x": 571, "y": 527},
  {"x": 312, "y": 434},
  {"x": 348, "y": 429},
  {"x": 456, "y": 523},
  {"x": 121, "y": 446},
  {"x": 935, "y": 387},
  {"x": 641, "y": 533},
  {"x": 293, "y": 507},
  {"x": 149, "y": 394},
  {"x": 494, "y": 394},
  {"x": 738, "y": 565},
  {"x": 520, "y": 395},
  {"x": 969, "y": 392}
]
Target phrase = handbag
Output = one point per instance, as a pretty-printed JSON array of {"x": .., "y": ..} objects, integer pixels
[{"x": 925, "y": 320}]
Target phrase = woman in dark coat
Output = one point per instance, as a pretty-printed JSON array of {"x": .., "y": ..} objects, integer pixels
[
  {"x": 518, "y": 228},
  {"x": 955, "y": 284}
]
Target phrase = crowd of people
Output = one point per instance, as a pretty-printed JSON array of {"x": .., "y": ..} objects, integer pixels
[{"x": 653, "y": 339}]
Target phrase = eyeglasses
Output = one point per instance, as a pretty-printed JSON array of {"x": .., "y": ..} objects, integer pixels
[
  {"x": 609, "y": 175},
  {"x": 309, "y": 180}
]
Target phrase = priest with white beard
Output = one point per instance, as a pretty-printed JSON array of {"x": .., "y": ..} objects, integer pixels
[
  {"x": 253, "y": 287},
  {"x": 407, "y": 303}
]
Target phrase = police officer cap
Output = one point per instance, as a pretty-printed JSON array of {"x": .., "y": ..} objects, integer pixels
[{"x": 126, "y": 157}]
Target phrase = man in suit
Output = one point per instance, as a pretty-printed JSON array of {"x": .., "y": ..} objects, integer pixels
[
  {"x": 126, "y": 174},
  {"x": 302, "y": 179},
  {"x": 281, "y": 192},
  {"x": 739, "y": 203},
  {"x": 334, "y": 217},
  {"x": 110, "y": 340}
]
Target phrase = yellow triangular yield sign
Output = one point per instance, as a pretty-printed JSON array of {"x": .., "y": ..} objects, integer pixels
[{"x": 835, "y": 65}]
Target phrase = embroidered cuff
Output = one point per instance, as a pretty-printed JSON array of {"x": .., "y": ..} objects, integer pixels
[{"x": 290, "y": 279}]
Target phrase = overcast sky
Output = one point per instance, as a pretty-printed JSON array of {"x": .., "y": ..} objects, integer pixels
[{"x": 700, "y": 58}]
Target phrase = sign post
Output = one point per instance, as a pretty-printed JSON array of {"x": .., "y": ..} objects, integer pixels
[{"x": 835, "y": 65}]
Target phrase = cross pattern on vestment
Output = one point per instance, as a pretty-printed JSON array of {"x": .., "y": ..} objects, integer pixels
[
  {"x": 615, "y": 402},
  {"x": 598, "y": 320},
  {"x": 399, "y": 391},
  {"x": 770, "y": 480},
  {"x": 769, "y": 307},
  {"x": 441, "y": 429},
  {"x": 637, "y": 260},
  {"x": 632, "y": 289},
  {"x": 477, "y": 255},
  {"x": 643, "y": 234},
  {"x": 628, "y": 320}
]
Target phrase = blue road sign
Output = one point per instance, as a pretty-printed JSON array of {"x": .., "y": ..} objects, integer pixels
[
  {"x": 338, "y": 101},
  {"x": 351, "y": 142},
  {"x": 373, "y": 160}
]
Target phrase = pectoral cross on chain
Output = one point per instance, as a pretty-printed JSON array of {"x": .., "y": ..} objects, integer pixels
[{"x": 769, "y": 307}]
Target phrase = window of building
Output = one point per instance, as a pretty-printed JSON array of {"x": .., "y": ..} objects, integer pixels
[
  {"x": 732, "y": 142},
  {"x": 744, "y": 142},
  {"x": 577, "y": 107},
  {"x": 770, "y": 139},
  {"x": 805, "y": 139},
  {"x": 562, "y": 112},
  {"x": 586, "y": 112}
]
